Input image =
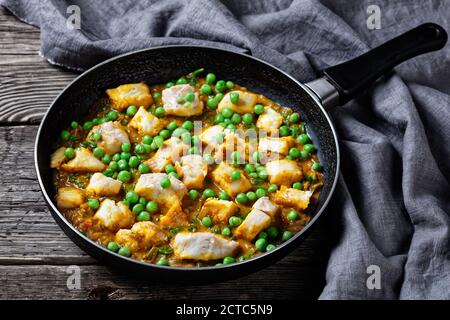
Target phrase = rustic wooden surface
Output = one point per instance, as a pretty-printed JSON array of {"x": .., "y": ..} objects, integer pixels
[{"x": 35, "y": 253}]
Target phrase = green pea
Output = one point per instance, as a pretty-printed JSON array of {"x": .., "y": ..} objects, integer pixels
[
  {"x": 187, "y": 105},
  {"x": 124, "y": 176},
  {"x": 131, "y": 111},
  {"x": 234, "y": 221},
  {"x": 186, "y": 137},
  {"x": 169, "y": 84},
  {"x": 219, "y": 118},
  {"x": 249, "y": 168},
  {"x": 143, "y": 216},
  {"x": 126, "y": 147},
  {"x": 210, "y": 78},
  {"x": 158, "y": 141},
  {"x": 112, "y": 115},
  {"x": 138, "y": 208},
  {"x": 156, "y": 95},
  {"x": 169, "y": 168},
  {"x": 236, "y": 175},
  {"x": 174, "y": 174},
  {"x": 272, "y": 188},
  {"x": 133, "y": 162},
  {"x": 317, "y": 166},
  {"x": 188, "y": 125},
  {"x": 294, "y": 153},
  {"x": 231, "y": 126},
  {"x": 163, "y": 262},
  {"x": 147, "y": 139},
  {"x": 125, "y": 156},
  {"x": 257, "y": 156},
  {"x": 242, "y": 198},
  {"x": 195, "y": 140},
  {"x": 193, "y": 194},
  {"x": 165, "y": 133},
  {"x": 235, "y": 156},
  {"x": 208, "y": 159},
  {"x": 224, "y": 196},
  {"x": 308, "y": 147},
  {"x": 182, "y": 80},
  {"x": 286, "y": 235},
  {"x": 190, "y": 96},
  {"x": 172, "y": 126},
  {"x": 284, "y": 131},
  {"x": 294, "y": 131},
  {"x": 294, "y": 118},
  {"x": 304, "y": 154},
  {"x": 88, "y": 125},
  {"x": 251, "y": 196},
  {"x": 124, "y": 251},
  {"x": 206, "y": 89},
  {"x": 261, "y": 244},
  {"x": 144, "y": 168},
  {"x": 292, "y": 215},
  {"x": 270, "y": 247},
  {"x": 106, "y": 159},
  {"x": 69, "y": 153},
  {"x": 227, "y": 112},
  {"x": 114, "y": 166},
  {"x": 236, "y": 118},
  {"x": 65, "y": 135},
  {"x": 159, "y": 112},
  {"x": 260, "y": 192},
  {"x": 262, "y": 174},
  {"x": 208, "y": 193},
  {"x": 151, "y": 207},
  {"x": 263, "y": 235},
  {"x": 113, "y": 246},
  {"x": 95, "y": 121},
  {"x": 74, "y": 124},
  {"x": 247, "y": 118},
  {"x": 132, "y": 197},
  {"x": 116, "y": 157},
  {"x": 93, "y": 204},
  {"x": 206, "y": 221},
  {"x": 258, "y": 109},
  {"x": 303, "y": 138},
  {"x": 230, "y": 84},
  {"x": 212, "y": 103},
  {"x": 123, "y": 164},
  {"x": 272, "y": 232},
  {"x": 229, "y": 260},
  {"x": 220, "y": 86},
  {"x": 194, "y": 150},
  {"x": 297, "y": 185},
  {"x": 226, "y": 232},
  {"x": 108, "y": 173},
  {"x": 165, "y": 183},
  {"x": 98, "y": 152},
  {"x": 234, "y": 97}
]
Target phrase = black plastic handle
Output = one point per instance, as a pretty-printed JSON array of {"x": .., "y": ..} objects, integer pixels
[{"x": 352, "y": 77}]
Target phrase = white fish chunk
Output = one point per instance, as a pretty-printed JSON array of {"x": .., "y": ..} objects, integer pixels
[
  {"x": 255, "y": 222},
  {"x": 283, "y": 172},
  {"x": 193, "y": 170},
  {"x": 101, "y": 185},
  {"x": 114, "y": 216},
  {"x": 202, "y": 246},
  {"x": 84, "y": 161},
  {"x": 269, "y": 120},
  {"x": 291, "y": 197},
  {"x": 113, "y": 135},
  {"x": 123, "y": 96},
  {"x": 222, "y": 177},
  {"x": 173, "y": 107},
  {"x": 265, "y": 205},
  {"x": 69, "y": 198},
  {"x": 246, "y": 102},
  {"x": 219, "y": 210},
  {"x": 57, "y": 158},
  {"x": 170, "y": 152},
  {"x": 277, "y": 145},
  {"x": 149, "y": 187},
  {"x": 146, "y": 123}
]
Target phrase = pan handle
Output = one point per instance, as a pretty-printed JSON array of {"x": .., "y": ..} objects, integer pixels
[{"x": 352, "y": 77}]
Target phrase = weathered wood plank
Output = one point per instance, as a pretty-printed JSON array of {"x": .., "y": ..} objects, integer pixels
[
  {"x": 285, "y": 281},
  {"x": 28, "y": 83}
]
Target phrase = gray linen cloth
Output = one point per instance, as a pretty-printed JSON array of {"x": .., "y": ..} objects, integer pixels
[{"x": 393, "y": 196}]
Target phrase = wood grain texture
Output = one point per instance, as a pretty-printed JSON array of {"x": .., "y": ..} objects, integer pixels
[
  {"x": 35, "y": 253},
  {"x": 28, "y": 83}
]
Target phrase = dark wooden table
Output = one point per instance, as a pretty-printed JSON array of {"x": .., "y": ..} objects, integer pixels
[{"x": 35, "y": 253}]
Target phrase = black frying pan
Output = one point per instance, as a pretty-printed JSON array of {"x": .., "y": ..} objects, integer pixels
[{"x": 338, "y": 85}]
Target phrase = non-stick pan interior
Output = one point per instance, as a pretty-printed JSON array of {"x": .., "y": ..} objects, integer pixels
[{"x": 167, "y": 64}]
